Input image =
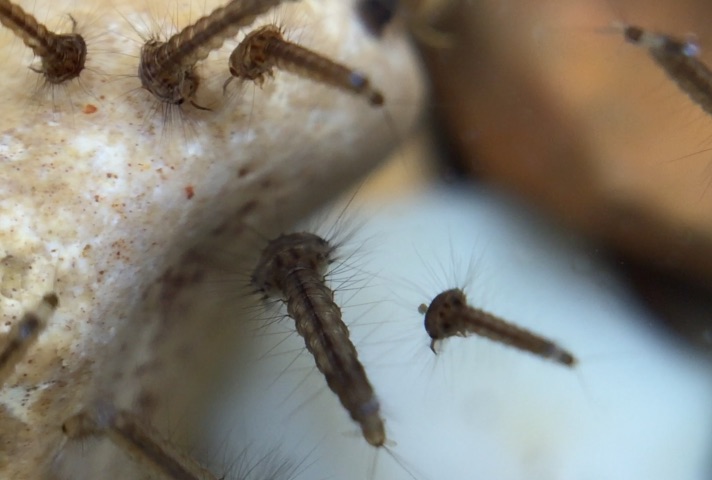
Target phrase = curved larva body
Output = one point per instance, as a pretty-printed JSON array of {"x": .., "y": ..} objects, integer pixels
[{"x": 114, "y": 210}]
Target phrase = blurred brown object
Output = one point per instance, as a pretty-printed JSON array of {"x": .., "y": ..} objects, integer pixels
[{"x": 547, "y": 100}]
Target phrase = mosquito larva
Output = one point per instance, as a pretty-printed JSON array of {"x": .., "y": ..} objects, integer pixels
[
  {"x": 62, "y": 55},
  {"x": 679, "y": 59},
  {"x": 138, "y": 440},
  {"x": 292, "y": 268},
  {"x": 24, "y": 334},
  {"x": 265, "y": 49},
  {"x": 167, "y": 69},
  {"x": 449, "y": 315}
]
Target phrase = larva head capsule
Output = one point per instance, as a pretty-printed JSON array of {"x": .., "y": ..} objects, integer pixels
[
  {"x": 249, "y": 60},
  {"x": 559, "y": 355},
  {"x": 69, "y": 63},
  {"x": 286, "y": 254},
  {"x": 173, "y": 86},
  {"x": 441, "y": 313}
]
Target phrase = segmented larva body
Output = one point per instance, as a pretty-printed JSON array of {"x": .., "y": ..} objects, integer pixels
[
  {"x": 680, "y": 61},
  {"x": 167, "y": 68},
  {"x": 138, "y": 441},
  {"x": 24, "y": 334},
  {"x": 62, "y": 55},
  {"x": 449, "y": 314},
  {"x": 292, "y": 268},
  {"x": 265, "y": 49}
]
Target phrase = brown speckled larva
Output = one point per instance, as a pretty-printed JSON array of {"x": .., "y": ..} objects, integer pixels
[{"x": 99, "y": 208}]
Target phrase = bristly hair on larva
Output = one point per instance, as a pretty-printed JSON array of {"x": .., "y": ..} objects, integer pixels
[
  {"x": 137, "y": 440},
  {"x": 272, "y": 465},
  {"x": 167, "y": 68},
  {"x": 292, "y": 269},
  {"x": 24, "y": 334},
  {"x": 448, "y": 313},
  {"x": 265, "y": 49},
  {"x": 152, "y": 454}
]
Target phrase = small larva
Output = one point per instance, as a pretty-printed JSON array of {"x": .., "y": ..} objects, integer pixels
[
  {"x": 449, "y": 314},
  {"x": 266, "y": 48},
  {"x": 167, "y": 69}
]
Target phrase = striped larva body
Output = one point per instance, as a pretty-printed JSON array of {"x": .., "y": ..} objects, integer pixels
[
  {"x": 679, "y": 59},
  {"x": 376, "y": 15},
  {"x": 292, "y": 268},
  {"x": 265, "y": 49},
  {"x": 449, "y": 315},
  {"x": 62, "y": 55}
]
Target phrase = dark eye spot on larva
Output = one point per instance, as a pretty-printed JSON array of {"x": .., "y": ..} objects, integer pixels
[{"x": 377, "y": 14}]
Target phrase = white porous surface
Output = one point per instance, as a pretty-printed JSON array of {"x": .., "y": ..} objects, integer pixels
[{"x": 111, "y": 202}]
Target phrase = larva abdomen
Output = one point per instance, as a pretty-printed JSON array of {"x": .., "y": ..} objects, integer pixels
[
  {"x": 292, "y": 267},
  {"x": 318, "y": 321}
]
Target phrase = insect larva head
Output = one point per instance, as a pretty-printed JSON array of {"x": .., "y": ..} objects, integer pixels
[
  {"x": 288, "y": 253},
  {"x": 71, "y": 64},
  {"x": 169, "y": 85},
  {"x": 442, "y": 314}
]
